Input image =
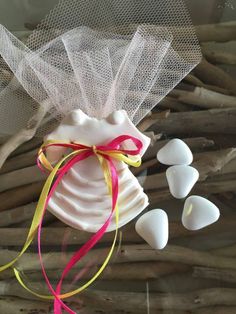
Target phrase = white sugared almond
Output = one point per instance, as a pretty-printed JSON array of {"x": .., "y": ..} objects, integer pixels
[
  {"x": 199, "y": 212},
  {"x": 153, "y": 227},
  {"x": 175, "y": 152},
  {"x": 181, "y": 179}
]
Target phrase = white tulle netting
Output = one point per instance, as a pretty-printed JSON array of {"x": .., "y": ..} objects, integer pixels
[{"x": 96, "y": 55}]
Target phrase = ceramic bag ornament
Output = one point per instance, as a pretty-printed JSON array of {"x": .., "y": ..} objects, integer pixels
[
  {"x": 82, "y": 200},
  {"x": 84, "y": 77}
]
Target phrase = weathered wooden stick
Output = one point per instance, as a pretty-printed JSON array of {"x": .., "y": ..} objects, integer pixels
[
  {"x": 211, "y": 187},
  {"x": 196, "y": 122},
  {"x": 204, "y": 98},
  {"x": 24, "y": 135},
  {"x": 17, "y": 215},
  {"x": 185, "y": 301},
  {"x": 21, "y": 177},
  {"x": 20, "y": 196},
  {"x": 228, "y": 168},
  {"x": 210, "y": 163},
  {"x": 118, "y": 271},
  {"x": 193, "y": 80},
  {"x": 220, "y": 32},
  {"x": 226, "y": 251},
  {"x": 211, "y": 74},
  {"x": 227, "y": 275},
  {"x": 136, "y": 271},
  {"x": 181, "y": 282},
  {"x": 175, "y": 283},
  {"x": 147, "y": 122},
  {"x": 126, "y": 271},
  {"x": 33, "y": 144},
  {"x": 17, "y": 305},
  {"x": 118, "y": 301},
  {"x": 216, "y": 56},
  {"x": 12, "y": 305},
  {"x": 205, "y": 310},
  {"x": 21, "y": 161},
  {"x": 145, "y": 165},
  {"x": 127, "y": 253},
  {"x": 153, "y": 137},
  {"x": 190, "y": 78},
  {"x": 58, "y": 235},
  {"x": 170, "y": 103}
]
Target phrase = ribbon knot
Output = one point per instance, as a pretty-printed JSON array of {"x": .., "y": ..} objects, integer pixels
[
  {"x": 94, "y": 148},
  {"x": 105, "y": 154}
]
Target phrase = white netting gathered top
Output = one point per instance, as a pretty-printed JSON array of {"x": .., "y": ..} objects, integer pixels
[{"x": 97, "y": 56}]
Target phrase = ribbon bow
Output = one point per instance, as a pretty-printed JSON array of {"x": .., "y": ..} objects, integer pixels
[{"x": 105, "y": 155}]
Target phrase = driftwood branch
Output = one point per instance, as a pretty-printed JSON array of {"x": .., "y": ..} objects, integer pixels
[
  {"x": 147, "y": 122},
  {"x": 153, "y": 137},
  {"x": 15, "y": 305},
  {"x": 211, "y": 74},
  {"x": 128, "y": 301},
  {"x": 225, "y": 275},
  {"x": 216, "y": 56},
  {"x": 170, "y": 103},
  {"x": 26, "y": 147},
  {"x": 220, "y": 32},
  {"x": 24, "y": 135},
  {"x": 21, "y": 161},
  {"x": 209, "y": 163},
  {"x": 20, "y": 177},
  {"x": 144, "y": 166},
  {"x": 17, "y": 215},
  {"x": 20, "y": 196},
  {"x": 127, "y": 253},
  {"x": 204, "y": 98},
  {"x": 214, "y": 187},
  {"x": 196, "y": 122},
  {"x": 126, "y": 271},
  {"x": 226, "y": 250},
  {"x": 193, "y": 80},
  {"x": 12, "y": 305}
]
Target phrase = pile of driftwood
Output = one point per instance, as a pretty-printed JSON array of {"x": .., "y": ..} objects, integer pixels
[{"x": 196, "y": 272}]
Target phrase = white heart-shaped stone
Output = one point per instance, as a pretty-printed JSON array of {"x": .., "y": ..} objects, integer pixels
[
  {"x": 199, "y": 212},
  {"x": 153, "y": 227},
  {"x": 175, "y": 152},
  {"x": 181, "y": 179}
]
